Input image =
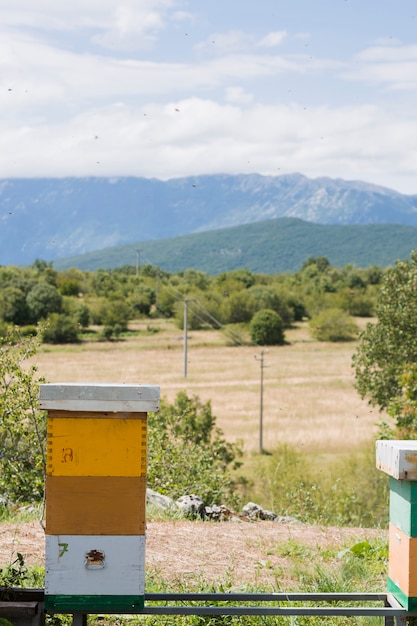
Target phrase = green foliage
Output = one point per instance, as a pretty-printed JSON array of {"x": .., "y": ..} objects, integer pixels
[
  {"x": 352, "y": 493},
  {"x": 112, "y": 298},
  {"x": 267, "y": 297},
  {"x": 15, "y": 574},
  {"x": 13, "y": 306},
  {"x": 360, "y": 305},
  {"x": 142, "y": 300},
  {"x": 403, "y": 407},
  {"x": 187, "y": 453},
  {"x": 385, "y": 359},
  {"x": 238, "y": 306},
  {"x": 42, "y": 300},
  {"x": 321, "y": 263},
  {"x": 18, "y": 574},
  {"x": 115, "y": 314},
  {"x": 60, "y": 329},
  {"x": 22, "y": 425},
  {"x": 266, "y": 328},
  {"x": 333, "y": 325},
  {"x": 83, "y": 316}
]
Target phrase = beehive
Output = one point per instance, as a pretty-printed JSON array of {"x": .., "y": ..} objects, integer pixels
[
  {"x": 398, "y": 459},
  {"x": 96, "y": 495}
]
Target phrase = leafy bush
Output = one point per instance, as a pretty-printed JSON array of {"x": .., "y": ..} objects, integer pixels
[
  {"x": 266, "y": 328},
  {"x": 116, "y": 313},
  {"x": 188, "y": 454},
  {"x": 60, "y": 329},
  {"x": 83, "y": 316},
  {"x": 333, "y": 325},
  {"x": 22, "y": 425},
  {"x": 42, "y": 300}
]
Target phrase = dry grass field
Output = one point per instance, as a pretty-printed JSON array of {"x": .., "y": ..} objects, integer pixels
[{"x": 308, "y": 401}]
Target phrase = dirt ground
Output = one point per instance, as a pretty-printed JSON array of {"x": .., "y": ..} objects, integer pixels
[{"x": 185, "y": 551}]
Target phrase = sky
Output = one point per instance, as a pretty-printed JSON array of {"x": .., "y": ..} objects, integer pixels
[{"x": 172, "y": 88}]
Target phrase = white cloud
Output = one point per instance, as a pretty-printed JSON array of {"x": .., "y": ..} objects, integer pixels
[
  {"x": 238, "y": 95},
  {"x": 235, "y": 91},
  {"x": 133, "y": 28},
  {"x": 226, "y": 43},
  {"x": 196, "y": 136},
  {"x": 114, "y": 24},
  {"x": 273, "y": 39},
  {"x": 394, "y": 67}
]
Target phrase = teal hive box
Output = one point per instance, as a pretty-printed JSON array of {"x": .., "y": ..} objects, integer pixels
[{"x": 403, "y": 506}]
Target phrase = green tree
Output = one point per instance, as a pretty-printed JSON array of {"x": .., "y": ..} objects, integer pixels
[
  {"x": 83, "y": 316},
  {"x": 13, "y": 306},
  {"x": 387, "y": 350},
  {"x": 60, "y": 328},
  {"x": 238, "y": 307},
  {"x": 333, "y": 325},
  {"x": 268, "y": 298},
  {"x": 116, "y": 313},
  {"x": 42, "y": 300},
  {"x": 322, "y": 263},
  {"x": 266, "y": 328},
  {"x": 142, "y": 299},
  {"x": 22, "y": 425}
]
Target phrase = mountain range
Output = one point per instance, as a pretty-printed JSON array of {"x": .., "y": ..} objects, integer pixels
[{"x": 53, "y": 219}]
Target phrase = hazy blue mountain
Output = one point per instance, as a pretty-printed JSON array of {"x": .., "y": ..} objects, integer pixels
[
  {"x": 270, "y": 247},
  {"x": 55, "y": 218}
]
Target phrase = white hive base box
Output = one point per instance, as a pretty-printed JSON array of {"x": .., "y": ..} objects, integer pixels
[
  {"x": 99, "y": 397},
  {"x": 94, "y": 565},
  {"x": 397, "y": 458}
]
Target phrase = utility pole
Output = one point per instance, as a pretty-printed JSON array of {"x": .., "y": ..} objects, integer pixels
[
  {"x": 137, "y": 262},
  {"x": 156, "y": 289},
  {"x": 185, "y": 336},
  {"x": 261, "y": 403}
]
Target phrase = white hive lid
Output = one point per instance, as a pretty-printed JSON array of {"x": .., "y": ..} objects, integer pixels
[
  {"x": 99, "y": 397},
  {"x": 397, "y": 458}
]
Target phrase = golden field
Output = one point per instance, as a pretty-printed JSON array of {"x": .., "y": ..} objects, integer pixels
[{"x": 309, "y": 399}]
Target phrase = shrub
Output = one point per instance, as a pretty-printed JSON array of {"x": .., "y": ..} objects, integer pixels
[
  {"x": 187, "y": 453},
  {"x": 266, "y": 328},
  {"x": 116, "y": 313},
  {"x": 42, "y": 300},
  {"x": 60, "y": 329},
  {"x": 22, "y": 425},
  {"x": 83, "y": 316},
  {"x": 333, "y": 325}
]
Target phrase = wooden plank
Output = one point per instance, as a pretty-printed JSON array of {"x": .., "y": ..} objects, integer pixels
[
  {"x": 95, "y": 505},
  {"x": 402, "y": 565},
  {"x": 99, "y": 397},
  {"x": 121, "y": 572},
  {"x": 96, "y": 447},
  {"x": 10, "y": 609}
]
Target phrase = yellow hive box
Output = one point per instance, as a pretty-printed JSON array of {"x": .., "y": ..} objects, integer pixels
[{"x": 96, "y": 445}]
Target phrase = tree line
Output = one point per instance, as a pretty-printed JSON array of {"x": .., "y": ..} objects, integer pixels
[{"x": 73, "y": 301}]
